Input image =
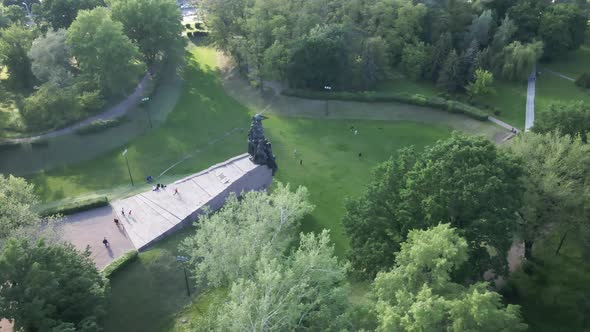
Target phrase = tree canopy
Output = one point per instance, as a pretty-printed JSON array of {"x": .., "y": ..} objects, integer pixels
[
  {"x": 556, "y": 181},
  {"x": 418, "y": 294},
  {"x": 425, "y": 39},
  {"x": 465, "y": 181},
  {"x": 229, "y": 243},
  {"x": 15, "y": 42},
  {"x": 61, "y": 13},
  {"x": 103, "y": 52},
  {"x": 50, "y": 58},
  {"x": 50, "y": 288},
  {"x": 17, "y": 197},
  {"x": 571, "y": 119},
  {"x": 154, "y": 25}
]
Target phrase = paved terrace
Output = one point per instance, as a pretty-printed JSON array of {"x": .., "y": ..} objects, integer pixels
[{"x": 155, "y": 214}]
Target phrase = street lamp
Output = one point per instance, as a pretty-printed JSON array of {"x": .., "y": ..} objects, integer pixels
[
  {"x": 143, "y": 100},
  {"x": 128, "y": 169},
  {"x": 183, "y": 259}
]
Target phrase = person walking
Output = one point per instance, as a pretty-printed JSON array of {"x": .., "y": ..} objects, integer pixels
[
  {"x": 175, "y": 191},
  {"x": 116, "y": 222},
  {"x": 123, "y": 212},
  {"x": 129, "y": 213},
  {"x": 105, "y": 242}
]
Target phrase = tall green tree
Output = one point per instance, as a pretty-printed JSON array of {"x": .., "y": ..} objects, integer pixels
[
  {"x": 418, "y": 294},
  {"x": 103, "y": 52},
  {"x": 61, "y": 13},
  {"x": 527, "y": 15},
  {"x": 229, "y": 243},
  {"x": 371, "y": 220},
  {"x": 305, "y": 291},
  {"x": 50, "y": 58},
  {"x": 562, "y": 28},
  {"x": 318, "y": 58},
  {"x": 15, "y": 42},
  {"x": 571, "y": 119},
  {"x": 50, "y": 288},
  {"x": 518, "y": 60},
  {"x": 154, "y": 25},
  {"x": 449, "y": 77},
  {"x": 556, "y": 181},
  {"x": 415, "y": 59},
  {"x": 482, "y": 84},
  {"x": 17, "y": 197}
]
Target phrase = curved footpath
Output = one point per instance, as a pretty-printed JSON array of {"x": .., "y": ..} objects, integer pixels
[{"x": 112, "y": 113}]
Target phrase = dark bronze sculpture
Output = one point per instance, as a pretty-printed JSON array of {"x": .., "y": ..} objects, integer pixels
[{"x": 259, "y": 147}]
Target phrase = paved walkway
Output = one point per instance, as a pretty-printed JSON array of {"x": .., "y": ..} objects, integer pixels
[
  {"x": 90, "y": 228},
  {"x": 114, "y": 112},
  {"x": 530, "y": 101},
  {"x": 560, "y": 75}
]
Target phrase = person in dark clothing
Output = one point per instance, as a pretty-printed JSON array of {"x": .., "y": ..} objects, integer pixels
[
  {"x": 105, "y": 242},
  {"x": 116, "y": 222}
]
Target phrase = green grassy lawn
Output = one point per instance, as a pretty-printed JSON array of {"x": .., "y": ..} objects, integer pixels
[
  {"x": 552, "y": 88},
  {"x": 149, "y": 294},
  {"x": 509, "y": 100}
]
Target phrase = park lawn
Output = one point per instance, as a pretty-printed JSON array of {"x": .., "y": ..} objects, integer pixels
[
  {"x": 509, "y": 99},
  {"x": 574, "y": 63},
  {"x": 552, "y": 89},
  {"x": 331, "y": 171},
  {"x": 149, "y": 294}
]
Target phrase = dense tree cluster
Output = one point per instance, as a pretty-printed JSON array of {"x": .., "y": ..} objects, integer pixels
[
  {"x": 464, "y": 181},
  {"x": 350, "y": 44},
  {"x": 50, "y": 287},
  {"x": 245, "y": 247},
  {"x": 79, "y": 54}
]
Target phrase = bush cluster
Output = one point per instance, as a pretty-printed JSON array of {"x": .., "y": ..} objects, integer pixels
[
  {"x": 402, "y": 97},
  {"x": 120, "y": 263},
  {"x": 100, "y": 125},
  {"x": 583, "y": 81},
  {"x": 75, "y": 207}
]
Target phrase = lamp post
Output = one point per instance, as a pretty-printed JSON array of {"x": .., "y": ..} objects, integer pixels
[
  {"x": 182, "y": 260},
  {"x": 128, "y": 169},
  {"x": 144, "y": 100}
]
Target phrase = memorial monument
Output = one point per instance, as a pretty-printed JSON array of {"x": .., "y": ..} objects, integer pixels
[{"x": 259, "y": 148}]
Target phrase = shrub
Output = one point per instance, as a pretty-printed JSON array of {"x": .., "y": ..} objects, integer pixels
[
  {"x": 120, "y": 263},
  {"x": 51, "y": 107},
  {"x": 187, "y": 26},
  {"x": 189, "y": 34},
  {"x": 583, "y": 81},
  {"x": 100, "y": 125},
  {"x": 201, "y": 33},
  {"x": 75, "y": 207},
  {"x": 199, "y": 25},
  {"x": 413, "y": 99}
]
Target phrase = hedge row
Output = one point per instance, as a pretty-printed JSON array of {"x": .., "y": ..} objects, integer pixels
[
  {"x": 198, "y": 33},
  {"x": 402, "y": 97},
  {"x": 75, "y": 207},
  {"x": 100, "y": 125},
  {"x": 120, "y": 263}
]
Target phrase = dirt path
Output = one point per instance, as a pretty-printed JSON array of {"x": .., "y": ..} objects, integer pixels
[
  {"x": 565, "y": 77},
  {"x": 113, "y": 112}
]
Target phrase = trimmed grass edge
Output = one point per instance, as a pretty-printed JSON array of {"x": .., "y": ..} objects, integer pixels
[
  {"x": 451, "y": 106},
  {"x": 119, "y": 263},
  {"x": 75, "y": 207}
]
